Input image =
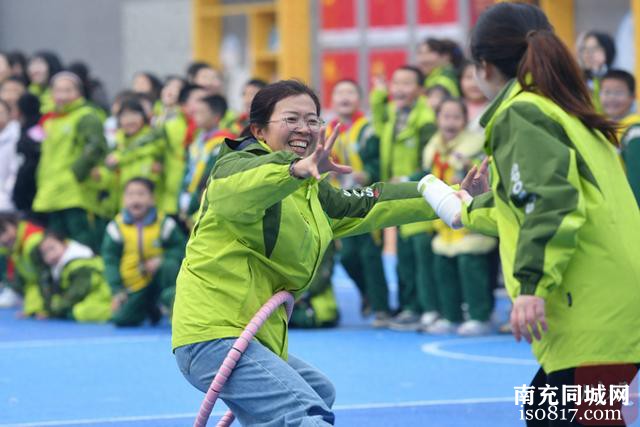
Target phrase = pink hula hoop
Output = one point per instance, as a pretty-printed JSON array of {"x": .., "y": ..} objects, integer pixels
[{"x": 238, "y": 348}]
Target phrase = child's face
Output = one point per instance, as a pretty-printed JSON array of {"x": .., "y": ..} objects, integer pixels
[
  {"x": 141, "y": 84},
  {"x": 345, "y": 99},
  {"x": 8, "y": 236},
  {"x": 38, "y": 71},
  {"x": 469, "y": 85},
  {"x": 64, "y": 91},
  {"x": 428, "y": 59},
  {"x": 138, "y": 200},
  {"x": 131, "y": 122},
  {"x": 592, "y": 55},
  {"x": 52, "y": 250},
  {"x": 616, "y": 98},
  {"x": 209, "y": 79},
  {"x": 194, "y": 98},
  {"x": 451, "y": 120},
  {"x": 435, "y": 96},
  {"x": 170, "y": 92},
  {"x": 204, "y": 117},
  {"x": 404, "y": 88}
]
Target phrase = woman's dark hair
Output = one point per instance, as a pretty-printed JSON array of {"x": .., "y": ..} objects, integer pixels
[
  {"x": 259, "y": 83},
  {"x": 352, "y": 83},
  {"x": 156, "y": 84},
  {"x": 29, "y": 108},
  {"x": 622, "y": 76},
  {"x": 133, "y": 104},
  {"x": 266, "y": 99},
  {"x": 53, "y": 62},
  {"x": 519, "y": 41},
  {"x": 606, "y": 42},
  {"x": 458, "y": 101}
]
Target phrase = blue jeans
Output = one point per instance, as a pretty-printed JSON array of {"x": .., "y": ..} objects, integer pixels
[{"x": 263, "y": 390}]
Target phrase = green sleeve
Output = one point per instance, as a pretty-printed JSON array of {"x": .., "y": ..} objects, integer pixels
[
  {"x": 380, "y": 205},
  {"x": 112, "y": 254},
  {"x": 378, "y": 103},
  {"x": 631, "y": 156},
  {"x": 244, "y": 185},
  {"x": 89, "y": 135},
  {"x": 541, "y": 184},
  {"x": 77, "y": 289},
  {"x": 150, "y": 146},
  {"x": 480, "y": 215}
]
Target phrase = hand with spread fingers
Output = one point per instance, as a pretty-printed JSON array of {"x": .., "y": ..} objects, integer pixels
[
  {"x": 528, "y": 318},
  {"x": 319, "y": 161},
  {"x": 475, "y": 183}
]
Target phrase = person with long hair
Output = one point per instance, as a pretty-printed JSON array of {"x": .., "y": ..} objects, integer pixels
[{"x": 567, "y": 220}]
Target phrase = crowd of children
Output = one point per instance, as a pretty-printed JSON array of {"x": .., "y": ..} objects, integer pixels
[{"x": 96, "y": 202}]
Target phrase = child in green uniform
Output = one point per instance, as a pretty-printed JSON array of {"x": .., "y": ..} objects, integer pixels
[
  {"x": 41, "y": 69},
  {"x": 202, "y": 153},
  {"x": 438, "y": 60},
  {"x": 142, "y": 251},
  {"x": 357, "y": 146},
  {"x": 75, "y": 287},
  {"x": 617, "y": 96},
  {"x": 19, "y": 240},
  {"x": 404, "y": 126},
  {"x": 461, "y": 259},
  {"x": 139, "y": 149},
  {"x": 74, "y": 145}
]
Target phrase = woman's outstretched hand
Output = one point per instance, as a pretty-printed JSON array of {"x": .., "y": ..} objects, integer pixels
[
  {"x": 319, "y": 161},
  {"x": 477, "y": 180},
  {"x": 475, "y": 183}
]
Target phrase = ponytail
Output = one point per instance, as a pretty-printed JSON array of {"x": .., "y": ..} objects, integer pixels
[
  {"x": 519, "y": 41},
  {"x": 548, "y": 68}
]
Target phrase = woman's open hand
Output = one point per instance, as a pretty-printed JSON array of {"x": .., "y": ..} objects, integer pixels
[
  {"x": 477, "y": 180},
  {"x": 319, "y": 161}
]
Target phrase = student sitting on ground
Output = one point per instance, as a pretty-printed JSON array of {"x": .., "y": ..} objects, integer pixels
[
  {"x": 75, "y": 287},
  {"x": 142, "y": 251}
]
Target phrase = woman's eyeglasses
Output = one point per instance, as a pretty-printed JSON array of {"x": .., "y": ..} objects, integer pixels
[{"x": 295, "y": 123}]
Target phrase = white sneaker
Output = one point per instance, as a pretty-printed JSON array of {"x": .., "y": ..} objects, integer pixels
[
  {"x": 428, "y": 318},
  {"x": 474, "y": 328},
  {"x": 381, "y": 319},
  {"x": 442, "y": 327},
  {"x": 9, "y": 298},
  {"x": 405, "y": 321}
]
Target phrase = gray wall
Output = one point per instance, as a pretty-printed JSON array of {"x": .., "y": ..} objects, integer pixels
[{"x": 114, "y": 37}]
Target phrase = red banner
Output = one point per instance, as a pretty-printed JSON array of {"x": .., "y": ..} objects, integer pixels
[
  {"x": 337, "y": 66},
  {"x": 387, "y": 13},
  {"x": 384, "y": 62},
  {"x": 437, "y": 11},
  {"x": 338, "y": 14}
]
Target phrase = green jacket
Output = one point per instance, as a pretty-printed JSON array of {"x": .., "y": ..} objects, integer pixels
[
  {"x": 43, "y": 93},
  {"x": 569, "y": 229},
  {"x": 174, "y": 162},
  {"x": 401, "y": 153},
  {"x": 137, "y": 155},
  {"x": 260, "y": 231},
  {"x": 128, "y": 244},
  {"x": 73, "y": 145},
  {"x": 446, "y": 78},
  {"x": 81, "y": 292},
  {"x": 28, "y": 266}
]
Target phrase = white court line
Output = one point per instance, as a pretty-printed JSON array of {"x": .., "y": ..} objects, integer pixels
[
  {"x": 435, "y": 349},
  {"x": 80, "y": 341},
  {"x": 387, "y": 405}
]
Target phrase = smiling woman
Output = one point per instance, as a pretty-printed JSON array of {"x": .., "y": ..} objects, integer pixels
[{"x": 265, "y": 222}]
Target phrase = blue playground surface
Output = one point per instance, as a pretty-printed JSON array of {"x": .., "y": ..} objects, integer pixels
[{"x": 55, "y": 373}]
